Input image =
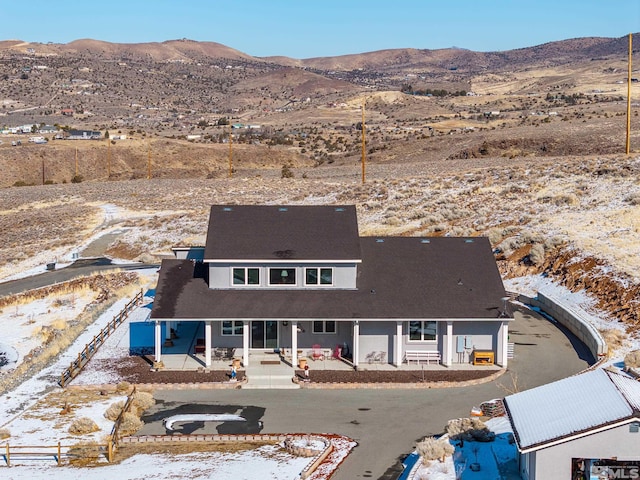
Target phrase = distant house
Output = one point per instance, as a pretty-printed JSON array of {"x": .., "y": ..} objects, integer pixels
[
  {"x": 48, "y": 129},
  {"x": 67, "y": 111},
  {"x": 586, "y": 426},
  {"x": 291, "y": 277},
  {"x": 82, "y": 135}
]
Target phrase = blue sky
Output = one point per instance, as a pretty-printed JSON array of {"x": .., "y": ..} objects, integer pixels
[{"x": 313, "y": 28}]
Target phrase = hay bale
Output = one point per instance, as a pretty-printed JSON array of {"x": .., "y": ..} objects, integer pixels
[
  {"x": 130, "y": 424},
  {"x": 83, "y": 426},
  {"x": 114, "y": 410},
  {"x": 4, "y": 433}
]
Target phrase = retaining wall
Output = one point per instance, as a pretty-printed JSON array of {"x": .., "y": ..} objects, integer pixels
[{"x": 576, "y": 320}]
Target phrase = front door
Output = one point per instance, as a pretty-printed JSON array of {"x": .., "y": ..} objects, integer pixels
[{"x": 264, "y": 334}]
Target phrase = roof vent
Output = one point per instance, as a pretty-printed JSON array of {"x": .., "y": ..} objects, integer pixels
[
  {"x": 379, "y": 240},
  {"x": 468, "y": 240},
  {"x": 227, "y": 209},
  {"x": 283, "y": 209},
  {"x": 425, "y": 240},
  {"x": 339, "y": 209}
]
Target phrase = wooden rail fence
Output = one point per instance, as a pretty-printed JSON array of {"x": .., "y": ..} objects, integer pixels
[
  {"x": 92, "y": 347},
  {"x": 57, "y": 452}
]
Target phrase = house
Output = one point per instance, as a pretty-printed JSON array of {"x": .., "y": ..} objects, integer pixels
[
  {"x": 82, "y": 135},
  {"x": 290, "y": 277},
  {"x": 587, "y": 424},
  {"x": 67, "y": 111}
]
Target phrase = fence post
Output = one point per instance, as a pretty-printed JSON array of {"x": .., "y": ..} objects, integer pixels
[
  {"x": 8, "y": 456},
  {"x": 110, "y": 451},
  {"x": 62, "y": 379},
  {"x": 59, "y": 456}
]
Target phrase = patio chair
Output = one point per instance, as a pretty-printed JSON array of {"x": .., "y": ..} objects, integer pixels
[
  {"x": 316, "y": 352},
  {"x": 380, "y": 357}
]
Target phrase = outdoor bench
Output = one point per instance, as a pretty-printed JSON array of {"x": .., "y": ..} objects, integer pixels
[{"x": 420, "y": 355}]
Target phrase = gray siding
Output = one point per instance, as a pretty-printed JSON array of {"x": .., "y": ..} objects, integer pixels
[
  {"x": 555, "y": 461},
  {"x": 344, "y": 275}
]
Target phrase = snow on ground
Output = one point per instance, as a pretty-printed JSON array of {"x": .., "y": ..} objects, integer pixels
[
  {"x": 23, "y": 323},
  {"x": 33, "y": 419},
  {"x": 531, "y": 284},
  {"x": 496, "y": 459}
]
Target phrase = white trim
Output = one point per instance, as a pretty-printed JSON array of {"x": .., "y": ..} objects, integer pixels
[
  {"x": 579, "y": 435},
  {"x": 286, "y": 285},
  {"x": 318, "y": 270},
  {"x": 246, "y": 278},
  {"x": 276, "y": 261},
  {"x": 324, "y": 327},
  {"x": 233, "y": 327},
  {"x": 422, "y": 340},
  {"x": 339, "y": 319}
]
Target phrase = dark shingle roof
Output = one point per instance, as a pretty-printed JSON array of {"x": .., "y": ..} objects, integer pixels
[
  {"x": 399, "y": 277},
  {"x": 266, "y": 232}
]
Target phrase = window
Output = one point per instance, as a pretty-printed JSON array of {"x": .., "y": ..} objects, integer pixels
[
  {"x": 324, "y": 326},
  {"x": 282, "y": 276},
  {"x": 232, "y": 327},
  {"x": 318, "y": 276},
  {"x": 246, "y": 276},
  {"x": 422, "y": 331}
]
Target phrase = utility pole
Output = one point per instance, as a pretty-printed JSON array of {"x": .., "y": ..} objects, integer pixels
[
  {"x": 43, "y": 171},
  {"x": 76, "y": 162},
  {"x": 108, "y": 159},
  {"x": 628, "y": 145},
  {"x": 363, "y": 145},
  {"x": 230, "y": 151},
  {"x": 149, "y": 160}
]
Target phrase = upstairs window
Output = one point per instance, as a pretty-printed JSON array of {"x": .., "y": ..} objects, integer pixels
[
  {"x": 246, "y": 276},
  {"x": 282, "y": 276},
  {"x": 420, "y": 331},
  {"x": 318, "y": 276},
  {"x": 324, "y": 326}
]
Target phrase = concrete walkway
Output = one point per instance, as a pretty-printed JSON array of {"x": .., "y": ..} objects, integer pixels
[{"x": 387, "y": 423}]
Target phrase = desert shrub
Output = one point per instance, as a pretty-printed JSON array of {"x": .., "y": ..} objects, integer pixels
[
  {"x": 142, "y": 401},
  {"x": 84, "y": 454},
  {"x": 123, "y": 387},
  {"x": 130, "y": 424},
  {"x": 434, "y": 449},
  {"x": 77, "y": 179},
  {"x": 613, "y": 338},
  {"x": 286, "y": 172},
  {"x": 83, "y": 426},
  {"x": 536, "y": 255},
  {"x": 4, "y": 433},
  {"x": 494, "y": 235},
  {"x": 469, "y": 429},
  {"x": 633, "y": 199},
  {"x": 631, "y": 360},
  {"x": 113, "y": 411}
]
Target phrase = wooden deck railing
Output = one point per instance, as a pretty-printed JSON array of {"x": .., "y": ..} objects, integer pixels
[{"x": 91, "y": 348}]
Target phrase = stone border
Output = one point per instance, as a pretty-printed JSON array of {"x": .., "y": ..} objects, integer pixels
[
  {"x": 167, "y": 386},
  {"x": 316, "y": 461},
  {"x": 409, "y": 386}
]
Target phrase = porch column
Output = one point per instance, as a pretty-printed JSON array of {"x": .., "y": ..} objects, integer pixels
[
  {"x": 448, "y": 359},
  {"x": 356, "y": 342},
  {"x": 294, "y": 344},
  {"x": 397, "y": 353},
  {"x": 503, "y": 343},
  {"x": 246, "y": 331},
  {"x": 207, "y": 343},
  {"x": 167, "y": 335},
  {"x": 158, "y": 341}
]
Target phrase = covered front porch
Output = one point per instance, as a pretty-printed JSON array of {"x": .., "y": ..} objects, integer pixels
[{"x": 352, "y": 344}]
